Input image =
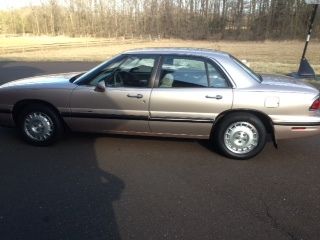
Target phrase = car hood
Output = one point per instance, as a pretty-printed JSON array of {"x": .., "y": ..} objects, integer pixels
[
  {"x": 46, "y": 81},
  {"x": 286, "y": 82}
]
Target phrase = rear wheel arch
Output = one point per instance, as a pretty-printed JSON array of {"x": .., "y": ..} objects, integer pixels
[{"x": 264, "y": 118}]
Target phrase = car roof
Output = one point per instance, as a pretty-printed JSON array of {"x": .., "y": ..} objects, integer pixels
[{"x": 180, "y": 51}]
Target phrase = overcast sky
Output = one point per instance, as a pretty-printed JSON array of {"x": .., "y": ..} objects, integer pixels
[{"x": 7, "y": 4}]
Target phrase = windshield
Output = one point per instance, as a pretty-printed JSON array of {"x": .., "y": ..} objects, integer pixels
[{"x": 249, "y": 71}]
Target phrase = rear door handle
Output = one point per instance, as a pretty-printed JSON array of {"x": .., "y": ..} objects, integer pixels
[
  {"x": 135, "y": 96},
  {"x": 218, "y": 97}
]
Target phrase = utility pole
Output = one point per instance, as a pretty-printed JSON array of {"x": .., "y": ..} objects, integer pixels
[{"x": 305, "y": 70}]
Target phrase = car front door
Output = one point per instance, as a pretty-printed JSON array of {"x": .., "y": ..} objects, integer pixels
[
  {"x": 123, "y": 105},
  {"x": 190, "y": 94}
]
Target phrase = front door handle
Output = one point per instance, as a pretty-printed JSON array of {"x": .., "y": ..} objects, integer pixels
[
  {"x": 218, "y": 97},
  {"x": 135, "y": 96}
]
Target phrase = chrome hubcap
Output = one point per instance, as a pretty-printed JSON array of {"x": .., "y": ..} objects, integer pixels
[
  {"x": 241, "y": 137},
  {"x": 38, "y": 126}
]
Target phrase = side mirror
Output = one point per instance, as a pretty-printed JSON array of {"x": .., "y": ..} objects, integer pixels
[{"x": 100, "y": 87}]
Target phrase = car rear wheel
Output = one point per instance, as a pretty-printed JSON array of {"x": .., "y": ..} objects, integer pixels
[
  {"x": 40, "y": 125},
  {"x": 240, "y": 136}
]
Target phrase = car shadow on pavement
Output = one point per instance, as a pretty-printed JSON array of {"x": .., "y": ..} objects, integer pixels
[{"x": 55, "y": 193}]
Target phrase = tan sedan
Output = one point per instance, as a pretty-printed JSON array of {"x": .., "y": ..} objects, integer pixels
[{"x": 186, "y": 93}]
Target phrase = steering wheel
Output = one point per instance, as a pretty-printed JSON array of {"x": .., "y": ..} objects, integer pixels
[
  {"x": 122, "y": 78},
  {"x": 117, "y": 76}
]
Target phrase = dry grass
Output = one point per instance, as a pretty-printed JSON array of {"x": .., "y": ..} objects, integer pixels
[
  {"x": 269, "y": 56},
  {"x": 32, "y": 40}
]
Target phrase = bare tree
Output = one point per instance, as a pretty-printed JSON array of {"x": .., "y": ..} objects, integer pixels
[{"x": 192, "y": 19}]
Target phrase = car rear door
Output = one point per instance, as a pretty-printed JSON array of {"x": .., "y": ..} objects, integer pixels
[{"x": 188, "y": 95}]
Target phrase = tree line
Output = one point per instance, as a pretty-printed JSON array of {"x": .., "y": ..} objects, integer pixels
[{"x": 186, "y": 19}]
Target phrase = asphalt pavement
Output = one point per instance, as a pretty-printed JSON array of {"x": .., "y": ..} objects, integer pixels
[{"x": 106, "y": 187}]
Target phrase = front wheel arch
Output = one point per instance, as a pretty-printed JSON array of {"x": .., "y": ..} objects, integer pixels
[
  {"x": 45, "y": 124},
  {"x": 21, "y": 105}
]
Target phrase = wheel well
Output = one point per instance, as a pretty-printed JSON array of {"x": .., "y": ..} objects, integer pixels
[
  {"x": 264, "y": 118},
  {"x": 19, "y": 106}
]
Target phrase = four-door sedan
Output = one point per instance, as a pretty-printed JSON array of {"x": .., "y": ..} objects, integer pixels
[{"x": 187, "y": 93}]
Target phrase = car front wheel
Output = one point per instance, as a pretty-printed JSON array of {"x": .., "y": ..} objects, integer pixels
[
  {"x": 40, "y": 125},
  {"x": 240, "y": 136}
]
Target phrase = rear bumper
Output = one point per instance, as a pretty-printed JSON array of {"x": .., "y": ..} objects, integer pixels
[
  {"x": 296, "y": 130},
  {"x": 6, "y": 119}
]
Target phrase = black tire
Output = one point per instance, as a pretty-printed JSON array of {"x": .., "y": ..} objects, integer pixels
[
  {"x": 226, "y": 123},
  {"x": 53, "y": 120}
]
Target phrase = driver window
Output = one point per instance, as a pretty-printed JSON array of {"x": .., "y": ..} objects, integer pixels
[
  {"x": 135, "y": 71},
  {"x": 105, "y": 73}
]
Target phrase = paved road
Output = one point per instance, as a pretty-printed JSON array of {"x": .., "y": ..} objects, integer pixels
[{"x": 109, "y": 187}]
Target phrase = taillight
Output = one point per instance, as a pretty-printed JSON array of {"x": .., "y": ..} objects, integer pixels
[{"x": 315, "y": 105}]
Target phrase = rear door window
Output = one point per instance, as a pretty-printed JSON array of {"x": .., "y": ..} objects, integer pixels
[
  {"x": 177, "y": 72},
  {"x": 188, "y": 72}
]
